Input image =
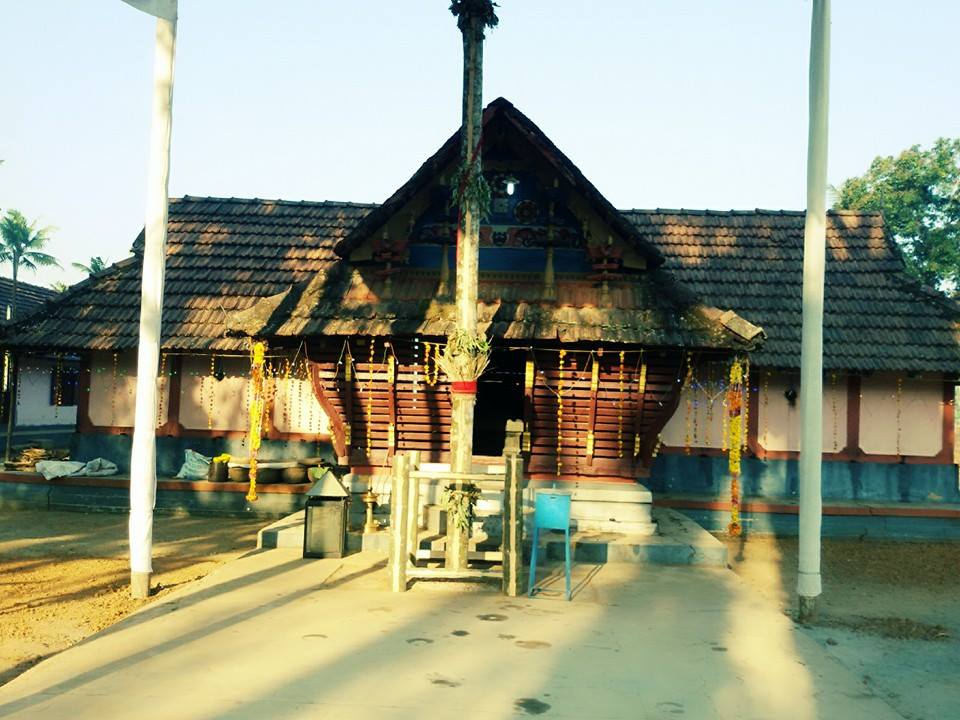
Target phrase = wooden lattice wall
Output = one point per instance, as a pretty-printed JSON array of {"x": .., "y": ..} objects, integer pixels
[{"x": 611, "y": 416}]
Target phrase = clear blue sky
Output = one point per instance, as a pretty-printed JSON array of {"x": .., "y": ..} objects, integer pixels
[{"x": 662, "y": 103}]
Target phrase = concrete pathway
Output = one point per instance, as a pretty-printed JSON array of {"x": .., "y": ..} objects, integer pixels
[{"x": 274, "y": 636}]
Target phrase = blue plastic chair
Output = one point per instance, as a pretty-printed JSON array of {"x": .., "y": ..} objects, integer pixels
[{"x": 551, "y": 512}]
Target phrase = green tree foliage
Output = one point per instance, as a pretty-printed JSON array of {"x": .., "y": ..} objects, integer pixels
[
  {"x": 21, "y": 245},
  {"x": 918, "y": 192},
  {"x": 97, "y": 265},
  {"x": 59, "y": 286}
]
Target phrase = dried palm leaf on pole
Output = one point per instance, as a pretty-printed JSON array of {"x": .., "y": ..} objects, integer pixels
[
  {"x": 811, "y": 351},
  {"x": 467, "y": 350},
  {"x": 143, "y": 462}
]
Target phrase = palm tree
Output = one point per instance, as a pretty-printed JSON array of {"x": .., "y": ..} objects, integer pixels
[
  {"x": 21, "y": 245},
  {"x": 59, "y": 286},
  {"x": 97, "y": 265}
]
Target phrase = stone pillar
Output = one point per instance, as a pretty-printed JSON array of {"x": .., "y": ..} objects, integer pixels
[
  {"x": 399, "y": 516},
  {"x": 512, "y": 545}
]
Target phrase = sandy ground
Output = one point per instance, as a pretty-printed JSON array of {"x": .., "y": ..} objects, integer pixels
[
  {"x": 64, "y": 575},
  {"x": 889, "y": 612}
]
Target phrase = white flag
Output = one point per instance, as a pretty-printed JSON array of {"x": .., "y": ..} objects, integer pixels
[{"x": 166, "y": 9}]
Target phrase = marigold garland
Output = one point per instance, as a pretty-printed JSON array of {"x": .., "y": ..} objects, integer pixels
[
  {"x": 431, "y": 378},
  {"x": 734, "y": 402},
  {"x": 257, "y": 407}
]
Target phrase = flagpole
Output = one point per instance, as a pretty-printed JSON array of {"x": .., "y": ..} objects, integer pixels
[
  {"x": 809, "y": 584},
  {"x": 143, "y": 466}
]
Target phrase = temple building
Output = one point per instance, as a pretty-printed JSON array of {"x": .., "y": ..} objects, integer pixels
[{"x": 613, "y": 332}]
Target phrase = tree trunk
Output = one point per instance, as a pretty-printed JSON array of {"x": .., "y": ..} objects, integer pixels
[
  {"x": 13, "y": 289},
  {"x": 468, "y": 254}
]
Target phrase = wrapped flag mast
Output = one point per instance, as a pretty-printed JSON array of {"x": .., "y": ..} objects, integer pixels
[{"x": 143, "y": 465}]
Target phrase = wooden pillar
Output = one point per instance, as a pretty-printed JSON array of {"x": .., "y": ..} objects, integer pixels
[
  {"x": 753, "y": 415},
  {"x": 84, "y": 425},
  {"x": 172, "y": 427},
  {"x": 512, "y": 545},
  {"x": 13, "y": 380},
  {"x": 526, "y": 440},
  {"x": 852, "y": 449},
  {"x": 413, "y": 504},
  {"x": 399, "y": 518},
  {"x": 340, "y": 431},
  {"x": 347, "y": 404}
]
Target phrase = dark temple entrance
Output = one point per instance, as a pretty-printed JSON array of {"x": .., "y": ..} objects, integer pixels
[{"x": 499, "y": 398}]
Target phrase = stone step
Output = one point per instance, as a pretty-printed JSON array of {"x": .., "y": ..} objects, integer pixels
[
  {"x": 286, "y": 532},
  {"x": 678, "y": 541}
]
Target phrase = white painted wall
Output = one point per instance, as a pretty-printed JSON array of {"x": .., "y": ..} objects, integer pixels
[
  {"x": 33, "y": 397},
  {"x": 113, "y": 387},
  {"x": 920, "y": 425},
  {"x": 700, "y": 414},
  {"x": 778, "y": 422}
]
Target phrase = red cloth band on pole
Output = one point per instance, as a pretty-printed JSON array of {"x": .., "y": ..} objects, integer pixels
[{"x": 464, "y": 387}]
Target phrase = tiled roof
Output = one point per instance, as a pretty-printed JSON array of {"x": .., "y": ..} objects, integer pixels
[
  {"x": 222, "y": 255},
  {"x": 30, "y": 298},
  {"x": 650, "y": 311},
  {"x": 876, "y": 317},
  {"x": 225, "y": 255}
]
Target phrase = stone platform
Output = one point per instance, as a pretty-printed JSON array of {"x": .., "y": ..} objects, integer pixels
[{"x": 676, "y": 540}]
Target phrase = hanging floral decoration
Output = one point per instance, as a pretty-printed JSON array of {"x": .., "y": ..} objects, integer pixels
[
  {"x": 734, "y": 413},
  {"x": 162, "y": 387},
  {"x": 620, "y": 406},
  {"x": 348, "y": 371},
  {"x": 369, "y": 394},
  {"x": 430, "y": 377},
  {"x": 113, "y": 391},
  {"x": 687, "y": 388},
  {"x": 460, "y": 504},
  {"x": 258, "y": 408},
  {"x": 211, "y": 377},
  {"x": 641, "y": 392},
  {"x": 745, "y": 404},
  {"x": 563, "y": 355}
]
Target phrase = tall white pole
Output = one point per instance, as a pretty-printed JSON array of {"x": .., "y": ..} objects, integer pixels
[
  {"x": 143, "y": 466},
  {"x": 811, "y": 353}
]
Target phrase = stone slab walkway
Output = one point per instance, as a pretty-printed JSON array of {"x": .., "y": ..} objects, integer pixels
[{"x": 275, "y": 636}]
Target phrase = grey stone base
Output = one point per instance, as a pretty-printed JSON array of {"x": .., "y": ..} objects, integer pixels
[{"x": 678, "y": 541}]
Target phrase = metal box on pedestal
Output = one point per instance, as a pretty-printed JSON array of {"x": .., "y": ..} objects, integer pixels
[{"x": 325, "y": 519}]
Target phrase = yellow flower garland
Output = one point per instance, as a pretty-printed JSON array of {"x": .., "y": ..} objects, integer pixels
[
  {"x": 734, "y": 404},
  {"x": 257, "y": 406}
]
